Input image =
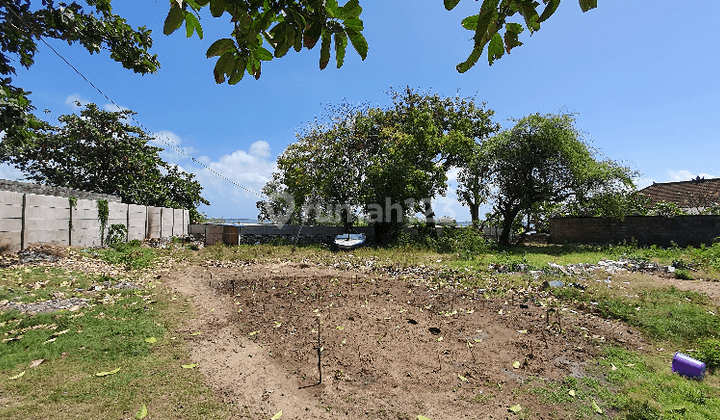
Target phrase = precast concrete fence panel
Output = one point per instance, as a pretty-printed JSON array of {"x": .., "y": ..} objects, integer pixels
[
  {"x": 136, "y": 222},
  {"x": 47, "y": 220},
  {"x": 153, "y": 222},
  {"x": 27, "y": 218},
  {"x": 11, "y": 221},
  {"x": 85, "y": 224}
]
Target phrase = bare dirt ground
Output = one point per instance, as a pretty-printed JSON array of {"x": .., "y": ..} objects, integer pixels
[{"x": 390, "y": 347}]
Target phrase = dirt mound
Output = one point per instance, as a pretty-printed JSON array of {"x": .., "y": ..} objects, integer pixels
[{"x": 390, "y": 348}]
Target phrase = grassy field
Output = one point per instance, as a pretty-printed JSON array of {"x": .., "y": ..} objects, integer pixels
[{"x": 122, "y": 349}]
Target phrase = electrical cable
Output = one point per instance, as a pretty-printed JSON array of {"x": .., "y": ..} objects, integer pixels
[{"x": 164, "y": 140}]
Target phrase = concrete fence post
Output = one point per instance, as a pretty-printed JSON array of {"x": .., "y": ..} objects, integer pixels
[{"x": 23, "y": 229}]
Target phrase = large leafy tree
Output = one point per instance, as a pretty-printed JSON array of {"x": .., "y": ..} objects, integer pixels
[
  {"x": 371, "y": 160},
  {"x": 23, "y": 23},
  {"x": 98, "y": 151},
  {"x": 261, "y": 30},
  {"x": 541, "y": 161}
]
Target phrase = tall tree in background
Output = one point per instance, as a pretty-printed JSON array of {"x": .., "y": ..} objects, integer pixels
[
  {"x": 23, "y": 23},
  {"x": 98, "y": 151},
  {"x": 544, "y": 160},
  {"x": 385, "y": 163}
]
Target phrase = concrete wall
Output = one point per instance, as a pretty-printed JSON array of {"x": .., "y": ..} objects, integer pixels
[
  {"x": 39, "y": 189},
  {"x": 30, "y": 218},
  {"x": 646, "y": 230}
]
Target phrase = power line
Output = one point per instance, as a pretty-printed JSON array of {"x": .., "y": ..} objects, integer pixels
[{"x": 163, "y": 139}]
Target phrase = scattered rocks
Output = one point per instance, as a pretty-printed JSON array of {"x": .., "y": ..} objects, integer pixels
[{"x": 47, "y": 306}]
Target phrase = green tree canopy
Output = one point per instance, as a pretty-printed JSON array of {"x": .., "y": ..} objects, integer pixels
[
  {"x": 370, "y": 160},
  {"x": 98, "y": 151},
  {"x": 541, "y": 161},
  {"x": 282, "y": 25},
  {"x": 22, "y": 25}
]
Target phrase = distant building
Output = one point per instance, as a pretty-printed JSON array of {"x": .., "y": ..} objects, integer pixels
[{"x": 692, "y": 196}]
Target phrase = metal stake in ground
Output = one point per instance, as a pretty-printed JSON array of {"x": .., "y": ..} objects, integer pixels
[{"x": 319, "y": 351}]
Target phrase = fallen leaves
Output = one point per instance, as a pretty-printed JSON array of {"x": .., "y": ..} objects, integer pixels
[
  {"x": 190, "y": 366},
  {"x": 108, "y": 373}
]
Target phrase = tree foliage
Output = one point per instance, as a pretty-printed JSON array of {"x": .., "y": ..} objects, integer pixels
[
  {"x": 98, "y": 151},
  {"x": 23, "y": 23},
  {"x": 384, "y": 163},
  {"x": 282, "y": 25},
  {"x": 543, "y": 161}
]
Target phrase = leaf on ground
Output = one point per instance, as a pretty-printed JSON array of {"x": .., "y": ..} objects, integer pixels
[
  {"x": 189, "y": 366},
  {"x": 516, "y": 408},
  {"x": 516, "y": 364},
  {"x": 112, "y": 372},
  {"x": 253, "y": 333},
  {"x": 340, "y": 327},
  {"x": 421, "y": 417},
  {"x": 142, "y": 413},
  {"x": 596, "y": 407},
  {"x": 18, "y": 376},
  {"x": 572, "y": 393},
  {"x": 612, "y": 367},
  {"x": 439, "y": 339},
  {"x": 197, "y": 333},
  {"x": 462, "y": 378},
  {"x": 277, "y": 415},
  {"x": 36, "y": 363},
  {"x": 151, "y": 340},
  {"x": 522, "y": 331}
]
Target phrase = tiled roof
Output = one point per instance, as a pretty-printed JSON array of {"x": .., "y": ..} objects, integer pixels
[{"x": 698, "y": 192}]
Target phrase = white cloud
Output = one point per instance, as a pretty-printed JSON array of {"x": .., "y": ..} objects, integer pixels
[
  {"x": 260, "y": 149},
  {"x": 114, "y": 108},
  {"x": 73, "y": 100},
  {"x": 684, "y": 175},
  {"x": 10, "y": 173},
  {"x": 641, "y": 183},
  {"x": 167, "y": 140}
]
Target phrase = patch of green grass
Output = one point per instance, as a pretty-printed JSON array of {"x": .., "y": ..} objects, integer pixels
[
  {"x": 647, "y": 389},
  {"x": 666, "y": 314},
  {"x": 106, "y": 335},
  {"x": 129, "y": 254}
]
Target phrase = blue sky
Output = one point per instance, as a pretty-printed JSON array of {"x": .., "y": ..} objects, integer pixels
[{"x": 643, "y": 80}]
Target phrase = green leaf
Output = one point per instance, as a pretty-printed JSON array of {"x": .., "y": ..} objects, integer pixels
[
  {"x": 219, "y": 72},
  {"x": 596, "y": 407},
  {"x": 421, "y": 417},
  {"x": 217, "y": 7},
  {"x": 350, "y": 10},
  {"x": 325, "y": 51},
  {"x": 340, "y": 45},
  {"x": 277, "y": 415},
  {"x": 358, "y": 42},
  {"x": 151, "y": 340},
  {"x": 450, "y": 4},
  {"x": 312, "y": 34},
  {"x": 516, "y": 364},
  {"x": 586, "y": 5},
  {"x": 512, "y": 30},
  {"x": 516, "y": 408},
  {"x": 112, "y": 372},
  {"x": 219, "y": 47},
  {"x": 192, "y": 24},
  {"x": 173, "y": 20},
  {"x": 527, "y": 10},
  {"x": 470, "y": 23},
  {"x": 495, "y": 49},
  {"x": 354, "y": 24},
  {"x": 190, "y": 366},
  {"x": 238, "y": 72},
  {"x": 18, "y": 376},
  {"x": 263, "y": 54},
  {"x": 142, "y": 413},
  {"x": 331, "y": 8},
  {"x": 550, "y": 8}
]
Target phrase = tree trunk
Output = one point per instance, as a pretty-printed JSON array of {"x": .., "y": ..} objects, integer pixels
[
  {"x": 475, "y": 214},
  {"x": 430, "y": 219},
  {"x": 508, "y": 219}
]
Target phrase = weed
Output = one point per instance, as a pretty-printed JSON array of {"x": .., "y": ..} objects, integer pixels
[{"x": 683, "y": 274}]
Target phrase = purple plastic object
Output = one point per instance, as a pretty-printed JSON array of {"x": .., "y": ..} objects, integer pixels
[{"x": 686, "y": 365}]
